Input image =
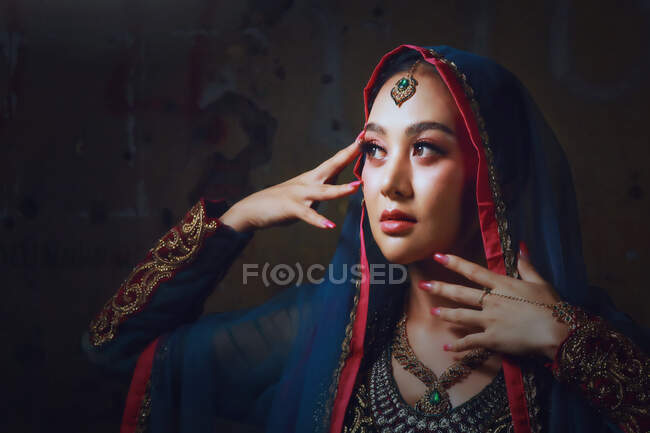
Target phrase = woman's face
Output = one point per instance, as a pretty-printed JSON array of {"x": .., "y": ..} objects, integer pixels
[{"x": 414, "y": 165}]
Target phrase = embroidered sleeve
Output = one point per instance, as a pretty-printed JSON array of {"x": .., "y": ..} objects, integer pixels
[
  {"x": 609, "y": 369},
  {"x": 167, "y": 288}
]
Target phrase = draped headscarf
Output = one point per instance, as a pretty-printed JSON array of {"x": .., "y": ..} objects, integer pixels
[
  {"x": 290, "y": 365},
  {"x": 524, "y": 192}
]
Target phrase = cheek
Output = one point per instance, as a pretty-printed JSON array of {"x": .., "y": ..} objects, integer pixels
[
  {"x": 370, "y": 180},
  {"x": 442, "y": 192}
]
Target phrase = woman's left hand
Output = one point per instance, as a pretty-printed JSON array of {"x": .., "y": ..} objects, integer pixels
[{"x": 508, "y": 326}]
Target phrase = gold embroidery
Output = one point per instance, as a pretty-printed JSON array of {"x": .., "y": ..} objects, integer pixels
[
  {"x": 532, "y": 400},
  {"x": 362, "y": 422},
  {"x": 611, "y": 371},
  {"x": 144, "y": 411},
  {"x": 502, "y": 423},
  {"x": 179, "y": 246},
  {"x": 378, "y": 406}
]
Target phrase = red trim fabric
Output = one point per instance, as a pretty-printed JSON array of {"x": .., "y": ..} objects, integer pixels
[
  {"x": 352, "y": 364},
  {"x": 137, "y": 390},
  {"x": 491, "y": 243},
  {"x": 516, "y": 396}
]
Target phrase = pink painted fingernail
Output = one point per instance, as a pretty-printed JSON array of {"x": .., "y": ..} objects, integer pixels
[
  {"x": 355, "y": 183},
  {"x": 435, "y": 311},
  {"x": 446, "y": 347},
  {"x": 329, "y": 224},
  {"x": 441, "y": 258},
  {"x": 425, "y": 285},
  {"x": 523, "y": 249}
]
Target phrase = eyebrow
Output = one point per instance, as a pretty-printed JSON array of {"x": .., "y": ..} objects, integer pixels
[{"x": 414, "y": 129}]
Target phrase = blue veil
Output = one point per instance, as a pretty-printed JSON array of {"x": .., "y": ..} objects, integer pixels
[
  {"x": 537, "y": 204},
  {"x": 289, "y": 364}
]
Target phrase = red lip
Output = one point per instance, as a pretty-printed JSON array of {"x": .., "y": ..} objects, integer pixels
[
  {"x": 396, "y": 222},
  {"x": 396, "y": 214}
]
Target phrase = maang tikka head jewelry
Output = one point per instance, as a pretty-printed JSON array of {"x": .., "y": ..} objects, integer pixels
[{"x": 404, "y": 88}]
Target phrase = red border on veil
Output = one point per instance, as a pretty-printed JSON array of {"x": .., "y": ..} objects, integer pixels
[
  {"x": 138, "y": 389},
  {"x": 491, "y": 242}
]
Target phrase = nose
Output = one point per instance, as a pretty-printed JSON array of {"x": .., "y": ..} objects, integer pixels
[{"x": 396, "y": 180}]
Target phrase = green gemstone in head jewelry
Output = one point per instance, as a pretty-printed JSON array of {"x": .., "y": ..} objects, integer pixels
[{"x": 404, "y": 88}]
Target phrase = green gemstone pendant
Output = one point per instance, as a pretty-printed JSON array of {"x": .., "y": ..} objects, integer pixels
[
  {"x": 404, "y": 88},
  {"x": 434, "y": 402},
  {"x": 435, "y": 397}
]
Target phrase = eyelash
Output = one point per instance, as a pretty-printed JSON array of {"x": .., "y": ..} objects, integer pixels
[{"x": 369, "y": 146}]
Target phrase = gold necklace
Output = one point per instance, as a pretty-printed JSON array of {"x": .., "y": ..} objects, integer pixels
[{"x": 435, "y": 400}]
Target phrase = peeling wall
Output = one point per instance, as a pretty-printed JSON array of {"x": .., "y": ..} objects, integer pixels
[{"x": 116, "y": 116}]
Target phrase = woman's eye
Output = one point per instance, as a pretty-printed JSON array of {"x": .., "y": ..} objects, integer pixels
[
  {"x": 422, "y": 148},
  {"x": 372, "y": 150}
]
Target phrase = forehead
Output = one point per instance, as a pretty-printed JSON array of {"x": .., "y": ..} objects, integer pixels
[{"x": 432, "y": 101}]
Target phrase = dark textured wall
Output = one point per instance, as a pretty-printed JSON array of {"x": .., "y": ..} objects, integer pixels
[{"x": 115, "y": 116}]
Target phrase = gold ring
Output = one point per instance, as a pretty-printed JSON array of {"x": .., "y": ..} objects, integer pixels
[{"x": 486, "y": 292}]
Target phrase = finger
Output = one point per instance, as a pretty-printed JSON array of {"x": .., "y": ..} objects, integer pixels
[
  {"x": 472, "y": 271},
  {"x": 526, "y": 268},
  {"x": 329, "y": 192},
  {"x": 454, "y": 292},
  {"x": 528, "y": 272},
  {"x": 460, "y": 316},
  {"x": 310, "y": 216},
  {"x": 470, "y": 341},
  {"x": 332, "y": 179},
  {"x": 333, "y": 166}
]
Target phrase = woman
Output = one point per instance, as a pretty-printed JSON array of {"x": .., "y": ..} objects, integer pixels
[{"x": 454, "y": 161}]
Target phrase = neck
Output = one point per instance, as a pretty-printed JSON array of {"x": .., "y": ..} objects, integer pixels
[{"x": 419, "y": 302}]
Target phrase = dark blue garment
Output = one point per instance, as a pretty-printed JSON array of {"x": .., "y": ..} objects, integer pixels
[{"x": 276, "y": 365}]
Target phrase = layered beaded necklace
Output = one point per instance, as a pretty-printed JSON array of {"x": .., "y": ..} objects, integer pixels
[{"x": 435, "y": 400}]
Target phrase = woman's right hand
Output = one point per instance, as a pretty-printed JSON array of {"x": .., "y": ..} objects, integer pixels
[{"x": 291, "y": 200}]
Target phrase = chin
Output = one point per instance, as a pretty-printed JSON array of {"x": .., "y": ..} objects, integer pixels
[
  {"x": 402, "y": 250},
  {"x": 420, "y": 244}
]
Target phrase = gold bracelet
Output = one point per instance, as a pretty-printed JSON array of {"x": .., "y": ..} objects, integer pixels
[
  {"x": 566, "y": 313},
  {"x": 562, "y": 311},
  {"x": 520, "y": 299}
]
